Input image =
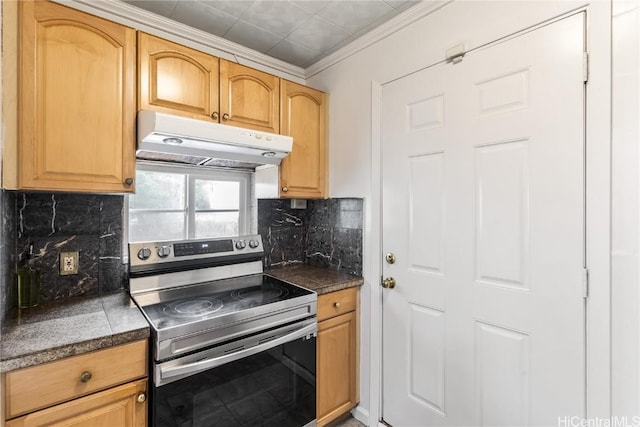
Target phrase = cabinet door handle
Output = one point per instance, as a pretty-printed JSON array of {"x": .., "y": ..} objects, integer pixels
[
  {"x": 225, "y": 116},
  {"x": 285, "y": 189},
  {"x": 85, "y": 377},
  {"x": 214, "y": 115},
  {"x": 336, "y": 304},
  {"x": 128, "y": 181},
  {"x": 141, "y": 398}
]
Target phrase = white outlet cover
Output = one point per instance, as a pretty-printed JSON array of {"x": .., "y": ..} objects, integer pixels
[{"x": 68, "y": 263}]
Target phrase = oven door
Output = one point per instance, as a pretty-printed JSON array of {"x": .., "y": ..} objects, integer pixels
[{"x": 266, "y": 379}]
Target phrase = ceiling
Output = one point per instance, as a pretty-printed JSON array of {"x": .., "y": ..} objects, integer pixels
[{"x": 299, "y": 32}]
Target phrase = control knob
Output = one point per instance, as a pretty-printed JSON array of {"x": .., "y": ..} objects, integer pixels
[
  {"x": 253, "y": 244},
  {"x": 164, "y": 251},
  {"x": 241, "y": 244},
  {"x": 144, "y": 254}
]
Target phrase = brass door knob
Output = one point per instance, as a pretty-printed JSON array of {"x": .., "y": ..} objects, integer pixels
[
  {"x": 225, "y": 116},
  {"x": 141, "y": 398},
  {"x": 336, "y": 304},
  {"x": 389, "y": 283},
  {"x": 214, "y": 115},
  {"x": 128, "y": 181},
  {"x": 85, "y": 377},
  {"x": 391, "y": 258}
]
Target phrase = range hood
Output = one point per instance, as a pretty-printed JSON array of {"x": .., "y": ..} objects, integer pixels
[{"x": 164, "y": 133}]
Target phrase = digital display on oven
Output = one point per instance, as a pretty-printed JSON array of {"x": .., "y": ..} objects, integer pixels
[{"x": 197, "y": 248}]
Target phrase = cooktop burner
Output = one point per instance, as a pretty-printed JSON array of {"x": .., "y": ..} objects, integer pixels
[
  {"x": 217, "y": 302},
  {"x": 259, "y": 295},
  {"x": 193, "y": 307}
]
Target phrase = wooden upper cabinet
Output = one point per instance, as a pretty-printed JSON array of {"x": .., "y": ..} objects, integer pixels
[
  {"x": 76, "y": 123},
  {"x": 249, "y": 98},
  {"x": 303, "y": 116},
  {"x": 176, "y": 79}
]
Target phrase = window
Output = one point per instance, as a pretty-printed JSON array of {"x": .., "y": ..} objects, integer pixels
[{"x": 173, "y": 203}]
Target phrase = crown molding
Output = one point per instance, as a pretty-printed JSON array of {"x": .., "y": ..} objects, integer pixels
[
  {"x": 140, "y": 19},
  {"x": 385, "y": 30},
  {"x": 126, "y": 14}
]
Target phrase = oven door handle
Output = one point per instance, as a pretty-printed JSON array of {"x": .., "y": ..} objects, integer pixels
[{"x": 201, "y": 365}]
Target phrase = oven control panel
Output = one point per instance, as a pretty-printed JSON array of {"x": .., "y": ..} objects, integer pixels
[
  {"x": 148, "y": 253},
  {"x": 199, "y": 248}
]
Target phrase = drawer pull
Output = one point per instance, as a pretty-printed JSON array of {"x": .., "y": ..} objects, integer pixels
[
  {"x": 336, "y": 304},
  {"x": 141, "y": 398},
  {"x": 85, "y": 377}
]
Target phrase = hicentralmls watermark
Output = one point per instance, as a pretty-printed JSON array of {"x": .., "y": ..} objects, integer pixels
[{"x": 576, "y": 421}]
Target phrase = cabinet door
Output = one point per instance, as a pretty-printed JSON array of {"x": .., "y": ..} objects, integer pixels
[
  {"x": 336, "y": 376},
  {"x": 176, "y": 80},
  {"x": 249, "y": 98},
  {"x": 77, "y": 93},
  {"x": 123, "y": 406},
  {"x": 303, "y": 116}
]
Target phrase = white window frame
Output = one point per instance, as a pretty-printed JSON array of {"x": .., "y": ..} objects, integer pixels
[
  {"x": 243, "y": 208},
  {"x": 192, "y": 173}
]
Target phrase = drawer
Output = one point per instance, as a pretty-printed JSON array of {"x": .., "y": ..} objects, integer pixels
[
  {"x": 44, "y": 385},
  {"x": 336, "y": 303}
]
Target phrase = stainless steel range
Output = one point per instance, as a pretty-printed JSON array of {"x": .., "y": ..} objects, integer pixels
[{"x": 231, "y": 346}]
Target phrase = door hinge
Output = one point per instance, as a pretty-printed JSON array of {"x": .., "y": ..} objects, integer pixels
[
  {"x": 585, "y": 283},
  {"x": 585, "y": 67}
]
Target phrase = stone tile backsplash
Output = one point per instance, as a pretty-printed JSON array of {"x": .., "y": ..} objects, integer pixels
[
  {"x": 283, "y": 232},
  {"x": 328, "y": 233},
  {"x": 8, "y": 290},
  {"x": 62, "y": 222}
]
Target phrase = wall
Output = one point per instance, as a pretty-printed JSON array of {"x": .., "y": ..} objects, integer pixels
[
  {"x": 625, "y": 239},
  {"x": 356, "y": 84},
  {"x": 328, "y": 233}
]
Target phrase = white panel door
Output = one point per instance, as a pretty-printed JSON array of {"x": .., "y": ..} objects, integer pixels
[{"x": 483, "y": 207}]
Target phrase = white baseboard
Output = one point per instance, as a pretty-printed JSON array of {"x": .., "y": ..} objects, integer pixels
[{"x": 361, "y": 414}]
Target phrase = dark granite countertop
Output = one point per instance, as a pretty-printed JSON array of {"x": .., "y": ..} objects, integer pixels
[
  {"x": 318, "y": 279},
  {"x": 69, "y": 327}
]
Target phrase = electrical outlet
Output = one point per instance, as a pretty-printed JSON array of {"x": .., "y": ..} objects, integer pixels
[{"x": 68, "y": 263}]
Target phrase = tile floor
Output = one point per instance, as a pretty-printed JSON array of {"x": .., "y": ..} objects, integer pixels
[{"x": 351, "y": 422}]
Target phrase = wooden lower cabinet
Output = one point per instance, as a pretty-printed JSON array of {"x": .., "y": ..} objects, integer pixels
[
  {"x": 337, "y": 391},
  {"x": 101, "y": 388},
  {"x": 122, "y": 406}
]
